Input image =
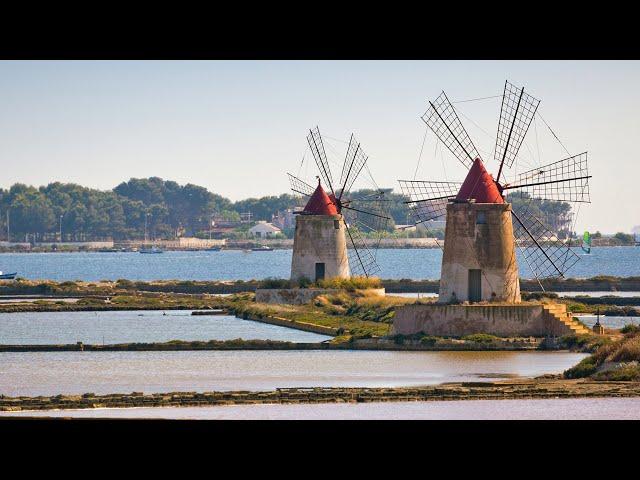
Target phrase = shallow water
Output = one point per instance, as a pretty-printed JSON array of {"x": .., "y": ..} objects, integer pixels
[
  {"x": 52, "y": 373},
  {"x": 238, "y": 265},
  {"x": 610, "y": 322},
  {"x": 30, "y": 328},
  {"x": 599, "y": 294},
  {"x": 547, "y": 409},
  {"x": 414, "y": 295},
  {"x": 162, "y": 326}
]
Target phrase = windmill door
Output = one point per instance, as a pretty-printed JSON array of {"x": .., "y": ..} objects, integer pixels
[
  {"x": 319, "y": 271},
  {"x": 475, "y": 285}
]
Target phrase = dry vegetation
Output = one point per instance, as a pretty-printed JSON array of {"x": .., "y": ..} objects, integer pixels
[
  {"x": 619, "y": 360},
  {"x": 354, "y": 314}
]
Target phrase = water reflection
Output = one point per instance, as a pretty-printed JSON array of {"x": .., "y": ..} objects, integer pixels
[{"x": 51, "y": 373}]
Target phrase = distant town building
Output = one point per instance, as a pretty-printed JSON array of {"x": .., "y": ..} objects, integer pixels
[
  {"x": 284, "y": 220},
  {"x": 406, "y": 228},
  {"x": 262, "y": 229}
]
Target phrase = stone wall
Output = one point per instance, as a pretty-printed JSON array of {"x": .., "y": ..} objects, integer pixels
[{"x": 459, "y": 320}]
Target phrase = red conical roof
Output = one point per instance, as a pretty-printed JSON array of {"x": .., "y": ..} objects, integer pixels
[
  {"x": 479, "y": 185},
  {"x": 320, "y": 203}
]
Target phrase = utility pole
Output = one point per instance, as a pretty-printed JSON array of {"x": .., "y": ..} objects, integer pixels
[{"x": 60, "y": 231}]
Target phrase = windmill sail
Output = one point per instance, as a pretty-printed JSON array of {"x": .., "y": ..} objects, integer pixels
[
  {"x": 443, "y": 120},
  {"x": 369, "y": 215},
  {"x": 300, "y": 186},
  {"x": 362, "y": 261},
  {"x": 516, "y": 113},
  {"x": 544, "y": 253},
  {"x": 428, "y": 200},
  {"x": 354, "y": 162},
  {"x": 317, "y": 149},
  {"x": 566, "y": 180},
  {"x": 586, "y": 242}
]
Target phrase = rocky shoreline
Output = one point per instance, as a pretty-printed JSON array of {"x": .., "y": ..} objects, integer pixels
[{"x": 539, "y": 388}]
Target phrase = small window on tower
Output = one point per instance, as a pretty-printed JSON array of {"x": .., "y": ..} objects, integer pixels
[
  {"x": 480, "y": 218},
  {"x": 336, "y": 224}
]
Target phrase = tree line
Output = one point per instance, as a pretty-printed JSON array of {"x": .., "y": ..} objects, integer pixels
[{"x": 167, "y": 208}]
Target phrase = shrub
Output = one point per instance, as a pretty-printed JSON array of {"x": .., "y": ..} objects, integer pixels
[
  {"x": 271, "y": 282},
  {"x": 125, "y": 284},
  {"x": 585, "y": 368},
  {"x": 630, "y": 328},
  {"x": 614, "y": 311},
  {"x": 480, "y": 338},
  {"x": 428, "y": 340},
  {"x": 538, "y": 295}
]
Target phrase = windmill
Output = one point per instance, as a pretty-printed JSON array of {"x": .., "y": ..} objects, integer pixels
[
  {"x": 482, "y": 229},
  {"x": 330, "y": 231}
]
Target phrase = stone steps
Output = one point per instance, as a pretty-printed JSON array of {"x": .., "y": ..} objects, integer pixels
[{"x": 559, "y": 313}]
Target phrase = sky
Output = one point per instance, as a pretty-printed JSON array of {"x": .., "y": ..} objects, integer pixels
[{"x": 237, "y": 127}]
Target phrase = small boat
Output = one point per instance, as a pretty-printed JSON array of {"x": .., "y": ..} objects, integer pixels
[
  {"x": 213, "y": 249},
  {"x": 151, "y": 250},
  {"x": 262, "y": 248},
  {"x": 8, "y": 276}
]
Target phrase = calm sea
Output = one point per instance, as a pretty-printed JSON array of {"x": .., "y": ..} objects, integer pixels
[{"x": 238, "y": 265}]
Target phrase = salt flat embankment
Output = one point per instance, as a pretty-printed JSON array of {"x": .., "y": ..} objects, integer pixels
[{"x": 519, "y": 389}]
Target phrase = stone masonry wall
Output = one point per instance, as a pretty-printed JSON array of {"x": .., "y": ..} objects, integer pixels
[{"x": 459, "y": 320}]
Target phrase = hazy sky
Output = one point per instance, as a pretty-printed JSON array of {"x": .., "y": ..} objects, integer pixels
[{"x": 236, "y": 127}]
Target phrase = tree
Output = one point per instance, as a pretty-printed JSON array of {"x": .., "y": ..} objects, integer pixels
[{"x": 624, "y": 238}]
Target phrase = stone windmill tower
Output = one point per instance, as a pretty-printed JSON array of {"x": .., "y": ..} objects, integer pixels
[
  {"x": 329, "y": 240},
  {"x": 482, "y": 228}
]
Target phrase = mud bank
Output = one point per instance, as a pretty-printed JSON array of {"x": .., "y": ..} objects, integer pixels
[{"x": 520, "y": 389}]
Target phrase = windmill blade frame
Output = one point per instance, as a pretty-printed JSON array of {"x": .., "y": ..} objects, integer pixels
[
  {"x": 516, "y": 113},
  {"x": 354, "y": 161},
  {"x": 314, "y": 139},
  {"x": 428, "y": 199},
  {"x": 546, "y": 257},
  {"x": 442, "y": 118},
  {"x": 566, "y": 180},
  {"x": 300, "y": 186},
  {"x": 369, "y": 215},
  {"x": 361, "y": 261}
]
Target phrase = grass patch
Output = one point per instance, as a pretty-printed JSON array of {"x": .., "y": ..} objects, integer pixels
[{"x": 350, "y": 284}]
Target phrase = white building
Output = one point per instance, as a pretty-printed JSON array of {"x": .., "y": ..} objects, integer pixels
[{"x": 264, "y": 230}]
